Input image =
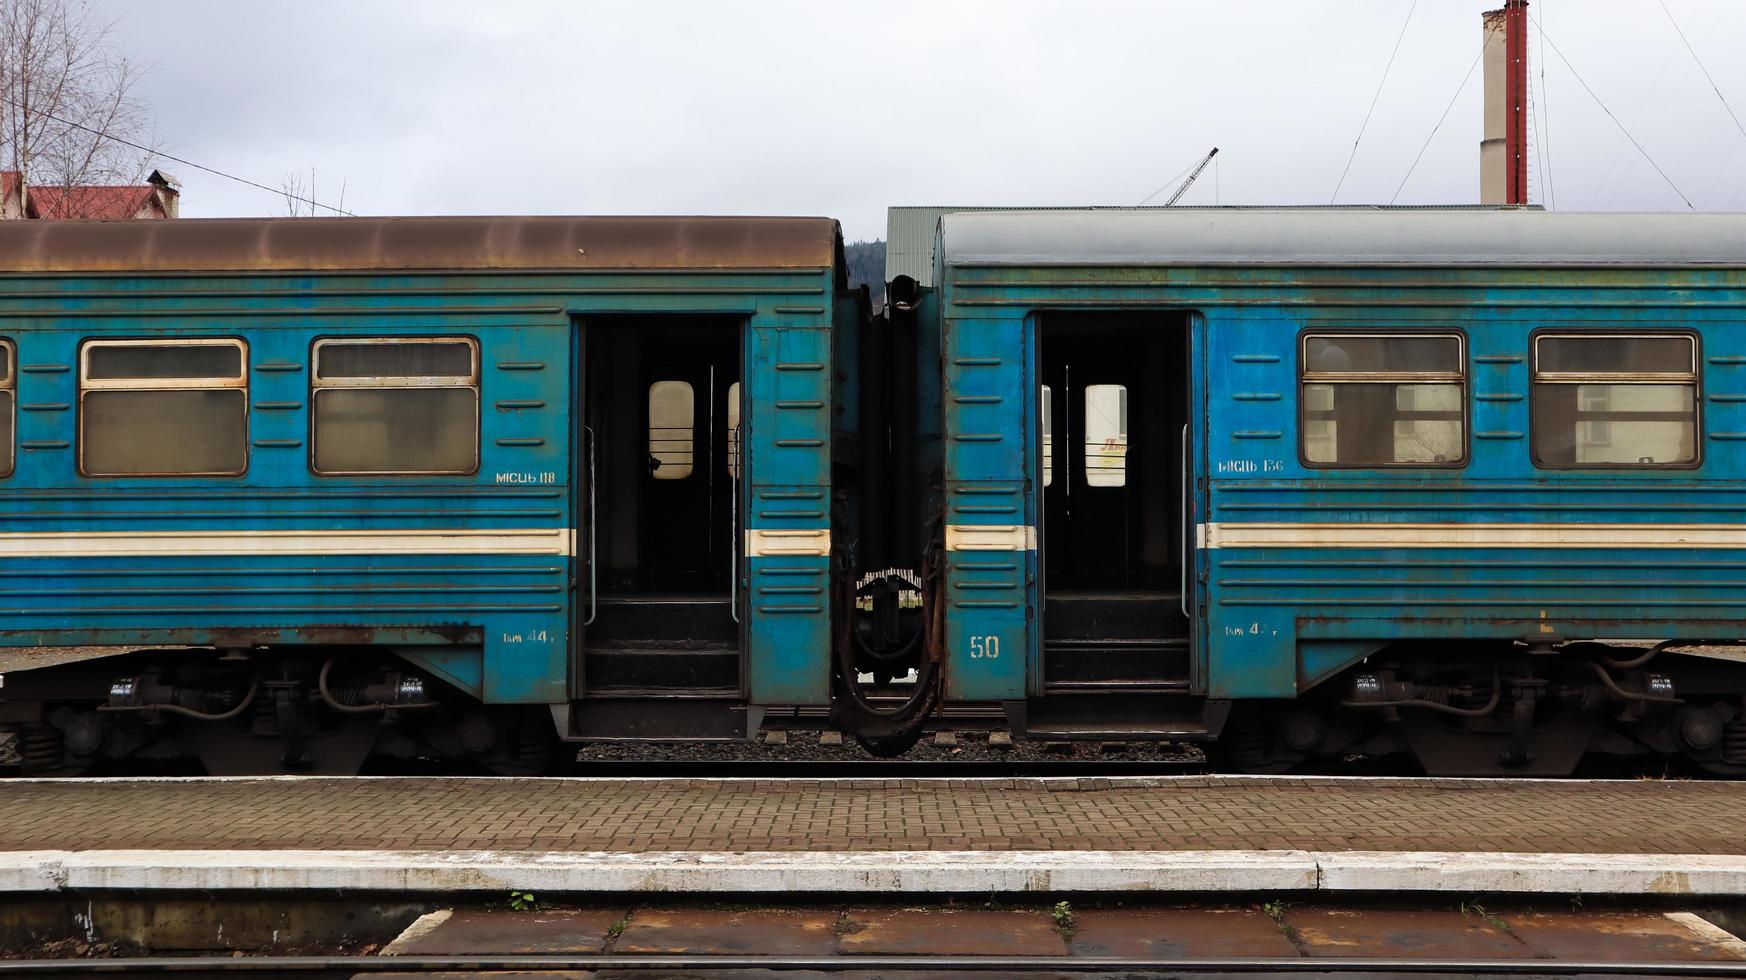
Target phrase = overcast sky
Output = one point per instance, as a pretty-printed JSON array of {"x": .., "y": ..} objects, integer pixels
[{"x": 811, "y": 107}]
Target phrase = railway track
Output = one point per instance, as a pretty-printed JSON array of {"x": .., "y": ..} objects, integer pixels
[
  {"x": 850, "y": 966},
  {"x": 880, "y": 769}
]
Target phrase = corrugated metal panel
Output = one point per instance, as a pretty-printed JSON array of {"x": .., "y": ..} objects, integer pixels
[
  {"x": 909, "y": 231},
  {"x": 1180, "y": 237},
  {"x": 909, "y": 242}
]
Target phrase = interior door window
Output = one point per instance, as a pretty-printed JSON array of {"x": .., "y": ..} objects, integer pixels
[
  {"x": 672, "y": 416},
  {"x": 733, "y": 430},
  {"x": 1106, "y": 435},
  {"x": 1048, "y": 433}
]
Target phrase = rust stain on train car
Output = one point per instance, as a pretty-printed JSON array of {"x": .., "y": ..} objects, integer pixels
[{"x": 416, "y": 244}]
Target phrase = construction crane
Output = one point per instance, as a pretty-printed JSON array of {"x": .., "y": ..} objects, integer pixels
[{"x": 1188, "y": 181}]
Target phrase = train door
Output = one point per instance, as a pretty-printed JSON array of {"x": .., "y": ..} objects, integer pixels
[
  {"x": 1113, "y": 399},
  {"x": 661, "y": 501}
]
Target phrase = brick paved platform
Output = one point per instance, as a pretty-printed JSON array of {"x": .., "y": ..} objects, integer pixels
[
  {"x": 1201, "y": 834},
  {"x": 1197, "y": 813}
]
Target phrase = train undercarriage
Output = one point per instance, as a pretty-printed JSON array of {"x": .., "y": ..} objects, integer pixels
[
  {"x": 1510, "y": 709},
  {"x": 243, "y": 712},
  {"x": 1439, "y": 708}
]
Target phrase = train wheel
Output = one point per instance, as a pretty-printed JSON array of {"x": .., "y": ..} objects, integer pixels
[
  {"x": 1265, "y": 738},
  {"x": 890, "y": 747},
  {"x": 525, "y": 744}
]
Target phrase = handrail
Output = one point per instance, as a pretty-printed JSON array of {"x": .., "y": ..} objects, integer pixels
[
  {"x": 1187, "y": 528},
  {"x": 593, "y": 572},
  {"x": 738, "y": 461}
]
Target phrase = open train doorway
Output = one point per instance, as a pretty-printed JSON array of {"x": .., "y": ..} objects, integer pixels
[
  {"x": 660, "y": 506},
  {"x": 1114, "y": 403}
]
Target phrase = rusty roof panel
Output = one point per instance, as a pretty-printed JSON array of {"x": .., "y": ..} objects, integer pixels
[{"x": 416, "y": 244}]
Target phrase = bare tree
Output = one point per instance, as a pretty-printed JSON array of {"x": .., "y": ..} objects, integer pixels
[
  {"x": 301, "y": 200},
  {"x": 66, "y": 97}
]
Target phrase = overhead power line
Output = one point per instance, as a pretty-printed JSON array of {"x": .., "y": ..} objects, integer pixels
[
  {"x": 1597, "y": 101},
  {"x": 1619, "y": 147},
  {"x": 176, "y": 159},
  {"x": 1440, "y": 120},
  {"x": 1373, "y": 100},
  {"x": 1700, "y": 63},
  {"x": 1719, "y": 97},
  {"x": 1543, "y": 122}
]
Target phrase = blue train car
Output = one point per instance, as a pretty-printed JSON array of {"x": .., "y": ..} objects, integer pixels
[
  {"x": 1469, "y": 485},
  {"x": 280, "y": 493}
]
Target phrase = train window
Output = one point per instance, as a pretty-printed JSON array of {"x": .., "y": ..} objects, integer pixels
[
  {"x": 1611, "y": 400},
  {"x": 163, "y": 408},
  {"x": 396, "y": 405},
  {"x": 1106, "y": 435},
  {"x": 1048, "y": 434},
  {"x": 1383, "y": 400},
  {"x": 733, "y": 430},
  {"x": 672, "y": 417},
  {"x": 8, "y": 409}
]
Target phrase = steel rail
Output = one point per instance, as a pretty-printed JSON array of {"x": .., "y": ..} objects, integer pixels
[
  {"x": 879, "y": 769},
  {"x": 1007, "y": 965}
]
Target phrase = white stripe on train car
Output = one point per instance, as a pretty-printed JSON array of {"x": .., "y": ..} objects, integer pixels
[
  {"x": 1510, "y": 535},
  {"x": 991, "y": 537},
  {"x": 763, "y": 542},
  {"x": 172, "y": 544}
]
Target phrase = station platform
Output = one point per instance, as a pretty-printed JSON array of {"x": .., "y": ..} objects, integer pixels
[{"x": 1091, "y": 834}]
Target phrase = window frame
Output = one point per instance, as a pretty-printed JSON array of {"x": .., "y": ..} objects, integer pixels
[
  {"x": 1462, "y": 378},
  {"x": 9, "y": 351},
  {"x": 88, "y": 384},
  {"x": 474, "y": 380},
  {"x": 1695, "y": 379}
]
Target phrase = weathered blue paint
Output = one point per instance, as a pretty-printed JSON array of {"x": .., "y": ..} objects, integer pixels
[
  {"x": 1273, "y": 621},
  {"x": 787, "y": 601},
  {"x": 989, "y": 595},
  {"x": 500, "y": 626}
]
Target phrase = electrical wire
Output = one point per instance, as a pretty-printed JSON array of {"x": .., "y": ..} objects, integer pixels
[
  {"x": 1726, "y": 161},
  {"x": 176, "y": 159},
  {"x": 1168, "y": 184},
  {"x": 1597, "y": 101},
  {"x": 1373, "y": 100},
  {"x": 1700, "y": 63},
  {"x": 1543, "y": 121},
  {"x": 1719, "y": 97},
  {"x": 1440, "y": 121},
  {"x": 1619, "y": 147}
]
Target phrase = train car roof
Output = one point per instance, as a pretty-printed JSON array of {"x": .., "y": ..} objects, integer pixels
[
  {"x": 416, "y": 244},
  {"x": 1341, "y": 238}
]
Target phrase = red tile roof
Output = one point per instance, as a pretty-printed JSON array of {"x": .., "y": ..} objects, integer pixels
[
  {"x": 91, "y": 202},
  {"x": 115, "y": 203}
]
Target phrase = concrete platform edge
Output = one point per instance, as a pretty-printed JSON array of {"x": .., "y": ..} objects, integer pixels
[{"x": 889, "y": 872}]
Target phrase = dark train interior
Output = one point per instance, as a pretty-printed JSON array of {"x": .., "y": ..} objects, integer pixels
[
  {"x": 660, "y": 441},
  {"x": 1113, "y": 403}
]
